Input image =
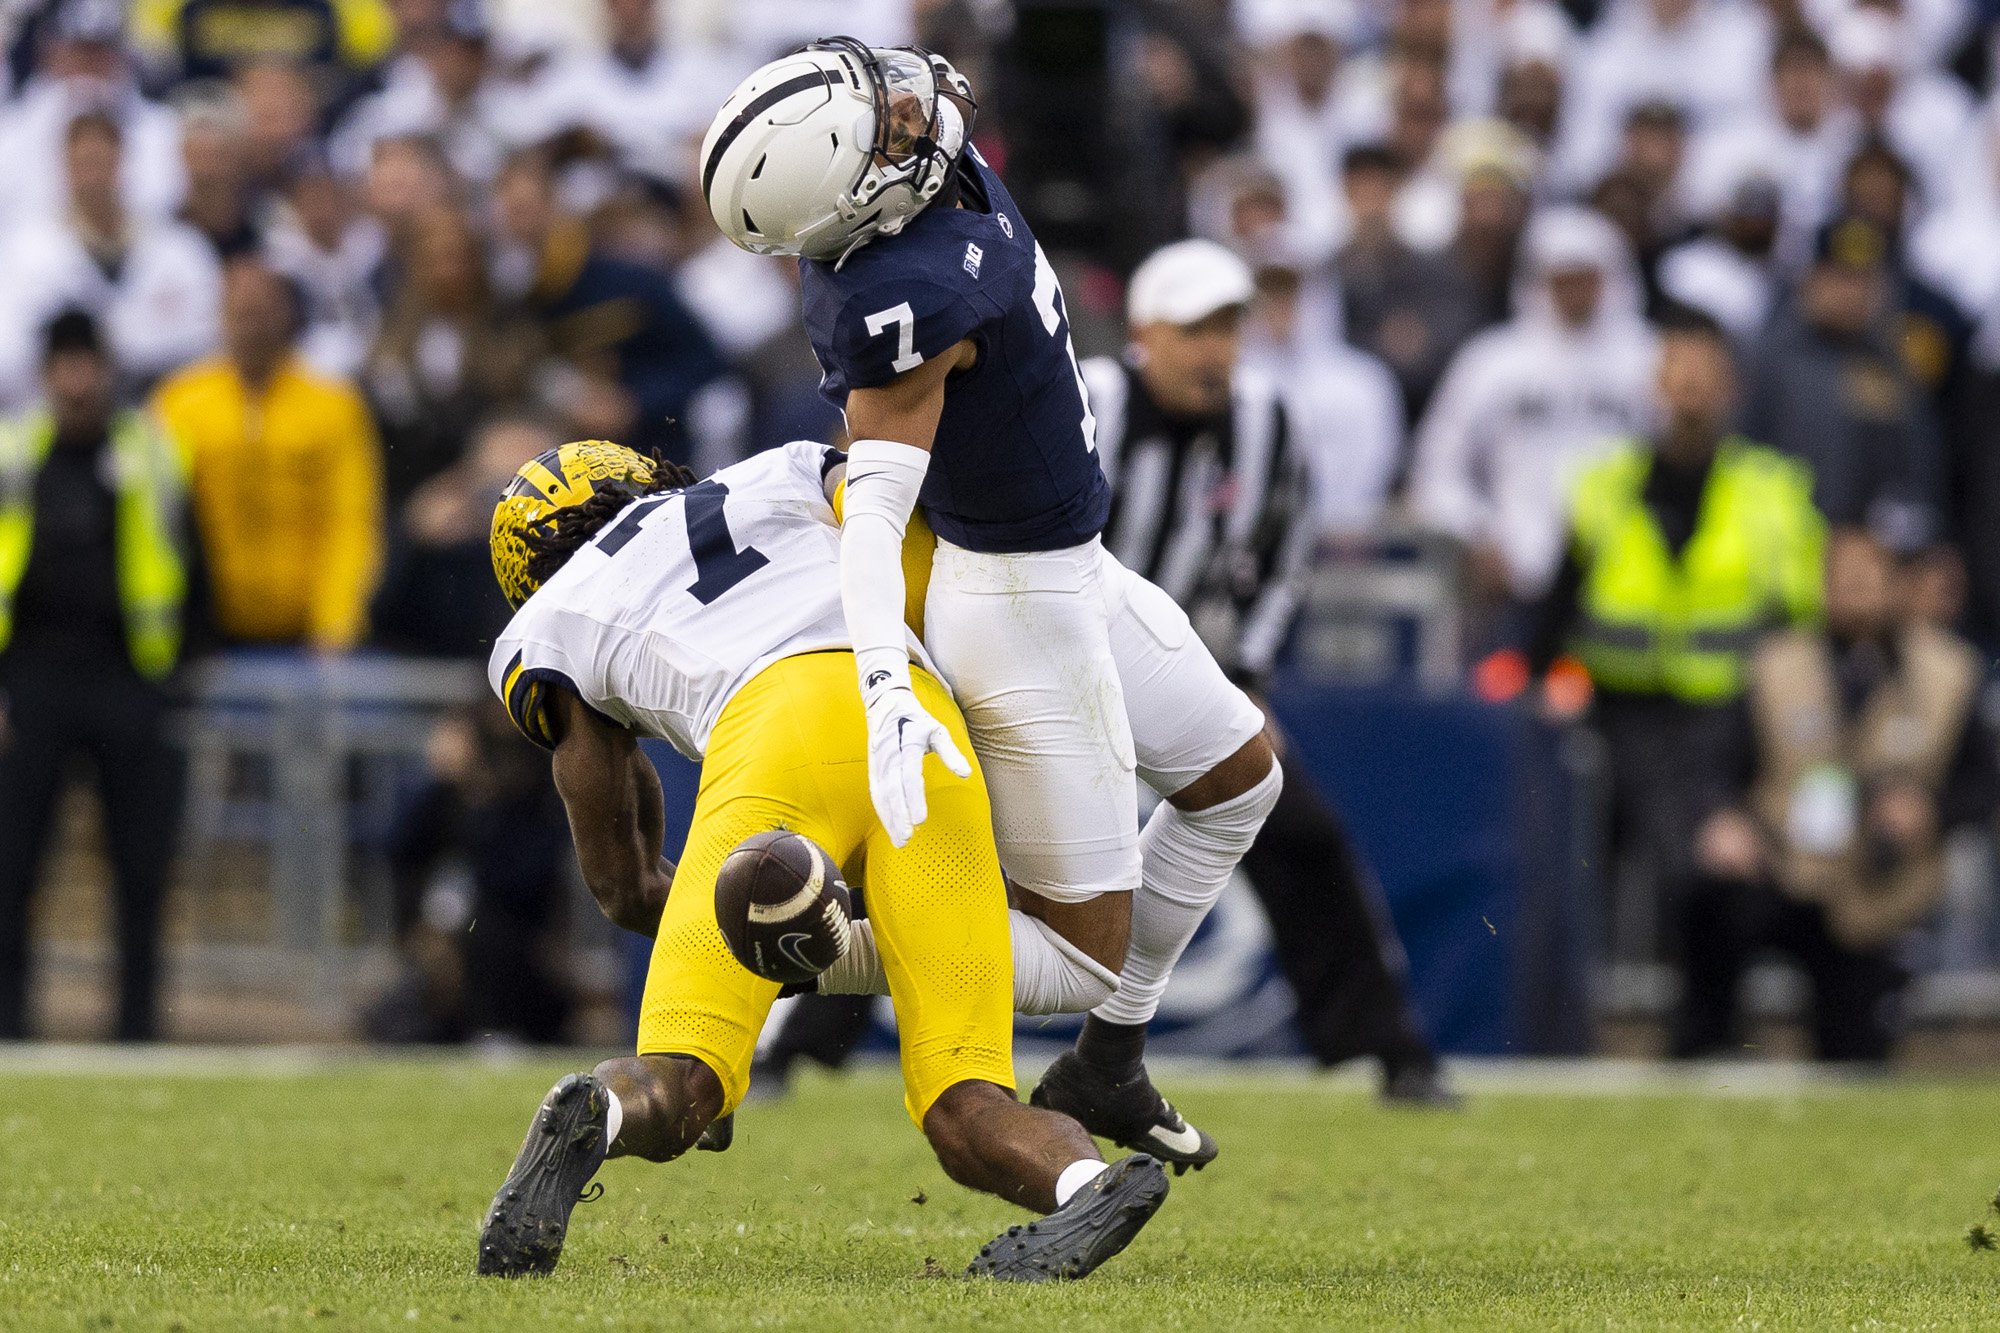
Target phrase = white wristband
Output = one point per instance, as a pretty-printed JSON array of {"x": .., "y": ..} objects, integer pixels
[{"x": 883, "y": 480}]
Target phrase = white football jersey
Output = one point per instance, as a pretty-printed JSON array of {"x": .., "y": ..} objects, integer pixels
[{"x": 683, "y": 598}]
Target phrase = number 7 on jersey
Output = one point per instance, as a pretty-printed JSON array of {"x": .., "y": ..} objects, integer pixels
[{"x": 905, "y": 320}]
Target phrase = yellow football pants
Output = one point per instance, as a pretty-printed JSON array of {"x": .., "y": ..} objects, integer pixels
[{"x": 791, "y": 751}]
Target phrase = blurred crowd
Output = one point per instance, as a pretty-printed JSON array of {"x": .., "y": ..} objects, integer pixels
[{"x": 316, "y": 276}]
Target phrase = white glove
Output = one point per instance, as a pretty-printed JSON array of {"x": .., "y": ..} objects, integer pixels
[
  {"x": 900, "y": 734},
  {"x": 883, "y": 481}
]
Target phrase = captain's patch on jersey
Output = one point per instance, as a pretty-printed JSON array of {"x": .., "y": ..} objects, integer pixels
[{"x": 973, "y": 254}]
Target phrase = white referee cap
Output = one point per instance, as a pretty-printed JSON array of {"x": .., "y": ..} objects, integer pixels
[{"x": 1185, "y": 283}]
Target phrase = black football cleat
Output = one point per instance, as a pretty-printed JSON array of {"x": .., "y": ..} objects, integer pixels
[
  {"x": 1099, "y": 1220},
  {"x": 524, "y": 1229},
  {"x": 721, "y": 1132},
  {"x": 1128, "y": 1111},
  {"x": 1423, "y": 1086}
]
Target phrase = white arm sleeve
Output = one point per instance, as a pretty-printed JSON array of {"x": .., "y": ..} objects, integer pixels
[{"x": 883, "y": 479}]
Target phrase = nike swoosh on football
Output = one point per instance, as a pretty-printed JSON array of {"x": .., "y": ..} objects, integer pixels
[{"x": 788, "y": 945}]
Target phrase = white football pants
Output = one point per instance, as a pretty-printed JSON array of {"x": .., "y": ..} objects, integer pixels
[{"x": 1074, "y": 674}]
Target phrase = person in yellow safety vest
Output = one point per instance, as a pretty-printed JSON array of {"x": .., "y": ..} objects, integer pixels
[
  {"x": 92, "y": 584},
  {"x": 1684, "y": 550}
]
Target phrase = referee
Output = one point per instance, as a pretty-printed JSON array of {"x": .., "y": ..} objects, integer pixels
[{"x": 1211, "y": 501}]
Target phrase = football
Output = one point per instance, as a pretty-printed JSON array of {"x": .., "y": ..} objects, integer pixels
[{"x": 783, "y": 910}]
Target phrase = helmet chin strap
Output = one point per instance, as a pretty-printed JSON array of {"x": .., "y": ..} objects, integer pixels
[
  {"x": 951, "y": 127},
  {"x": 861, "y": 238}
]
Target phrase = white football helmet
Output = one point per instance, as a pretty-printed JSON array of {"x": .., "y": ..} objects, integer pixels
[{"x": 820, "y": 152}]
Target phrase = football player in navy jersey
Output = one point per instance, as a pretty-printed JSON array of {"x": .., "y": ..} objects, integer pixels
[{"x": 941, "y": 330}]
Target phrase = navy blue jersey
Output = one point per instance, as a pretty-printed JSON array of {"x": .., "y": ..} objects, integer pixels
[{"x": 1014, "y": 465}]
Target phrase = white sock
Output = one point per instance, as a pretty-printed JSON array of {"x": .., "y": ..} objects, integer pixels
[
  {"x": 1186, "y": 861},
  {"x": 614, "y": 1119},
  {"x": 859, "y": 970},
  {"x": 1051, "y": 975},
  {"x": 1075, "y": 1176}
]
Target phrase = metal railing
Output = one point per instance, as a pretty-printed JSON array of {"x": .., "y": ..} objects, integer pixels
[
  {"x": 306, "y": 756},
  {"x": 1383, "y": 608}
]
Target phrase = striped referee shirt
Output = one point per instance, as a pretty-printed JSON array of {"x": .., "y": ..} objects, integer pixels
[{"x": 1215, "y": 510}]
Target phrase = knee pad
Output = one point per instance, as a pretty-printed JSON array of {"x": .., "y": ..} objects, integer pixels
[
  {"x": 1190, "y": 854},
  {"x": 859, "y": 971},
  {"x": 1240, "y": 817},
  {"x": 1051, "y": 975}
]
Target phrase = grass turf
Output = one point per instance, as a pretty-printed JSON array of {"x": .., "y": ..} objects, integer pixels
[{"x": 348, "y": 1198}]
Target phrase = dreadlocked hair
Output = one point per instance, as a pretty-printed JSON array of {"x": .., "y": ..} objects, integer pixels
[{"x": 556, "y": 538}]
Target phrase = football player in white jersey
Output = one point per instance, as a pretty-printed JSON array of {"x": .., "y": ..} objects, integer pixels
[{"x": 708, "y": 614}]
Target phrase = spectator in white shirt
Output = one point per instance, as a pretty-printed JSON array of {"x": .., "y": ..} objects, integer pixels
[
  {"x": 1470, "y": 201},
  {"x": 83, "y": 68},
  {"x": 1730, "y": 273},
  {"x": 1413, "y": 311},
  {"x": 334, "y": 252},
  {"x": 1426, "y": 210},
  {"x": 1526, "y": 403},
  {"x": 1802, "y": 146},
  {"x": 1242, "y": 203},
  {"x": 1535, "y": 50},
  {"x": 452, "y": 92},
  {"x": 281, "y": 117},
  {"x": 651, "y": 99},
  {"x": 152, "y": 282},
  {"x": 219, "y": 201},
  {"x": 407, "y": 174},
  {"x": 1957, "y": 247},
  {"x": 1490, "y": 38},
  {"x": 1309, "y": 111},
  {"x": 1926, "y": 116},
  {"x": 1644, "y": 196},
  {"x": 1346, "y": 411},
  {"x": 1711, "y": 58},
  {"x": 1934, "y": 27}
]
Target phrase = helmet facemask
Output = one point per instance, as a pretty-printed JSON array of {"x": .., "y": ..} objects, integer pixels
[{"x": 923, "y": 117}]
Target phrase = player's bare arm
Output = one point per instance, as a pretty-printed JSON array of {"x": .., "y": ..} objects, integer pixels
[
  {"x": 907, "y": 408},
  {"x": 616, "y": 815}
]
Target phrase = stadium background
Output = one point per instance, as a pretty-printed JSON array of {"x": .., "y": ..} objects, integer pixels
[{"x": 338, "y": 852}]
